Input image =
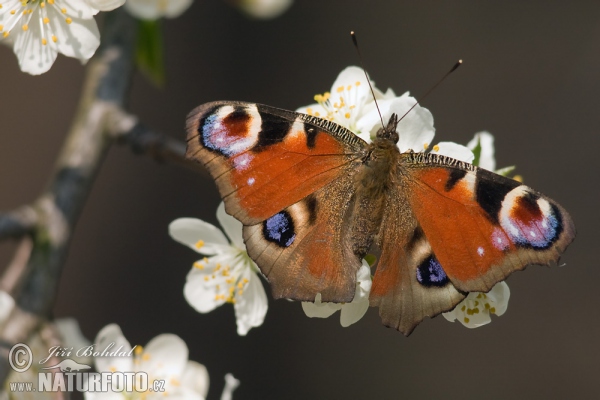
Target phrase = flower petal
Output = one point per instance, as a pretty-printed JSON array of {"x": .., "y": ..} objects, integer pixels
[
  {"x": 72, "y": 337},
  {"x": 154, "y": 9},
  {"x": 454, "y": 150},
  {"x": 195, "y": 377},
  {"x": 264, "y": 9},
  {"x": 319, "y": 309},
  {"x": 352, "y": 312},
  {"x": 190, "y": 231},
  {"x": 34, "y": 57},
  {"x": 231, "y": 226},
  {"x": 206, "y": 289},
  {"x": 78, "y": 39},
  {"x": 105, "y": 5},
  {"x": 165, "y": 356},
  {"x": 74, "y": 9},
  {"x": 415, "y": 131},
  {"x": 7, "y": 303},
  {"x": 251, "y": 307},
  {"x": 486, "y": 142},
  {"x": 230, "y": 385},
  {"x": 110, "y": 338},
  {"x": 499, "y": 296}
]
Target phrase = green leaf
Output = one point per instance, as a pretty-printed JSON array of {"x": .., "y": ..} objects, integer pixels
[
  {"x": 149, "y": 52},
  {"x": 477, "y": 152},
  {"x": 506, "y": 170},
  {"x": 370, "y": 259}
]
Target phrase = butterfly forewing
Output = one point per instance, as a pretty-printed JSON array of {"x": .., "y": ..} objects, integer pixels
[
  {"x": 264, "y": 159},
  {"x": 287, "y": 177},
  {"x": 482, "y": 226}
]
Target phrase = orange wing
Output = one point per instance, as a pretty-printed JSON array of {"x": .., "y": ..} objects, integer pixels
[
  {"x": 288, "y": 178},
  {"x": 482, "y": 226},
  {"x": 265, "y": 159}
]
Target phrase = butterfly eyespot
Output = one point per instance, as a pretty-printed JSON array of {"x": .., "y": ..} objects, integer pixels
[
  {"x": 279, "y": 229},
  {"x": 431, "y": 273}
]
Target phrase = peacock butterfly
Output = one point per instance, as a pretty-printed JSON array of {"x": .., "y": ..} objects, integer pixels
[{"x": 314, "y": 198}]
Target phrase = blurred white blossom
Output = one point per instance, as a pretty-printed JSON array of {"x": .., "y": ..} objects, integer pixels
[
  {"x": 154, "y": 9},
  {"x": 165, "y": 358},
  {"x": 40, "y": 29},
  {"x": 264, "y": 9}
]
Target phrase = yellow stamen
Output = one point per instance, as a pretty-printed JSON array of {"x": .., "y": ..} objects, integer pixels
[
  {"x": 349, "y": 87},
  {"x": 463, "y": 308},
  {"x": 436, "y": 148},
  {"x": 340, "y": 89},
  {"x": 425, "y": 146},
  {"x": 309, "y": 111},
  {"x": 317, "y": 114},
  {"x": 347, "y": 115},
  {"x": 466, "y": 320},
  {"x": 196, "y": 264},
  {"x": 46, "y": 20},
  {"x": 54, "y": 39},
  {"x": 63, "y": 10},
  {"x": 206, "y": 278},
  {"x": 43, "y": 4},
  {"x": 138, "y": 349},
  {"x": 1, "y": 28},
  {"x": 68, "y": 20},
  {"x": 357, "y": 83},
  {"x": 240, "y": 292},
  {"x": 50, "y": 2},
  {"x": 326, "y": 96},
  {"x": 5, "y": 34},
  {"x": 493, "y": 310},
  {"x": 146, "y": 357},
  {"x": 12, "y": 12},
  {"x": 518, "y": 178},
  {"x": 113, "y": 369},
  {"x": 44, "y": 41},
  {"x": 199, "y": 244},
  {"x": 25, "y": 27}
]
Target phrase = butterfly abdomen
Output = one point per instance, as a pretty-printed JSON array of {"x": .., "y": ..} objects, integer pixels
[{"x": 376, "y": 176}]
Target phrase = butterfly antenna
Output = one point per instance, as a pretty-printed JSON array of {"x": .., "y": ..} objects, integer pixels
[
  {"x": 355, "y": 41},
  {"x": 458, "y": 64}
]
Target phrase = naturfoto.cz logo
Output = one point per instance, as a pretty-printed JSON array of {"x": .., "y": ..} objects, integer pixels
[{"x": 67, "y": 375}]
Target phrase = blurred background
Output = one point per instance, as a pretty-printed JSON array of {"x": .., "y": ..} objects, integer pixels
[{"x": 531, "y": 76}]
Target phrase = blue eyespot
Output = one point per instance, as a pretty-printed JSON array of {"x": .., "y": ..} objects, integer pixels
[
  {"x": 279, "y": 229},
  {"x": 431, "y": 273}
]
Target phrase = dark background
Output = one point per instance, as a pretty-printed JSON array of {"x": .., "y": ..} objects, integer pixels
[{"x": 531, "y": 77}]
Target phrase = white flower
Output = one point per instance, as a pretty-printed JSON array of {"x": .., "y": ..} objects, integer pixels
[
  {"x": 42, "y": 28},
  {"x": 350, "y": 312},
  {"x": 475, "y": 310},
  {"x": 350, "y": 103},
  {"x": 227, "y": 276},
  {"x": 264, "y": 9},
  {"x": 7, "y": 303},
  {"x": 164, "y": 358},
  {"x": 155, "y": 9}
]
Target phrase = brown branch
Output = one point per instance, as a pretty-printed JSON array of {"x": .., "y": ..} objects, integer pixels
[
  {"x": 143, "y": 140},
  {"x": 58, "y": 208}
]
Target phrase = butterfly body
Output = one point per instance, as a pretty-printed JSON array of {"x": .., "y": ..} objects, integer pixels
[{"x": 315, "y": 199}]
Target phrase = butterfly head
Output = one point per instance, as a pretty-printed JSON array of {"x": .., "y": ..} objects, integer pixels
[{"x": 389, "y": 132}]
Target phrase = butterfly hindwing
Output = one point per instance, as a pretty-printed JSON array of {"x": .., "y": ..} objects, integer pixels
[
  {"x": 264, "y": 159},
  {"x": 482, "y": 226},
  {"x": 306, "y": 248},
  {"x": 409, "y": 283}
]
